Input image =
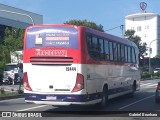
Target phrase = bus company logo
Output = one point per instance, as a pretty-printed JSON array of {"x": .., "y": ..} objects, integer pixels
[
  {"x": 6, "y": 114},
  {"x": 51, "y": 52},
  {"x": 143, "y": 5}
]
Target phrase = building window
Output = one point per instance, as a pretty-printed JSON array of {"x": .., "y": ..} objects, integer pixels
[
  {"x": 147, "y": 27},
  {"x": 139, "y": 28}
]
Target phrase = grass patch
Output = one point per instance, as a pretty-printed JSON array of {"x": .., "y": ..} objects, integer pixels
[{"x": 9, "y": 94}]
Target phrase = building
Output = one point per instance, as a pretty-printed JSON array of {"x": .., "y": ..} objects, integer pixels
[
  {"x": 18, "y": 18},
  {"x": 147, "y": 26}
]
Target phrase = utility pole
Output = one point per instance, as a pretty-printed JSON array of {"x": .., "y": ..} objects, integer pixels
[
  {"x": 150, "y": 55},
  {"x": 122, "y": 27}
]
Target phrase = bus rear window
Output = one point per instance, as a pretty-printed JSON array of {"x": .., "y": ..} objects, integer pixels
[{"x": 66, "y": 37}]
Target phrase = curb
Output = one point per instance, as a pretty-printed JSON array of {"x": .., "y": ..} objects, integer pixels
[{"x": 11, "y": 97}]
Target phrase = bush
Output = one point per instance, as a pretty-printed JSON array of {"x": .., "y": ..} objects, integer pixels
[
  {"x": 2, "y": 91},
  {"x": 157, "y": 74},
  {"x": 20, "y": 92},
  {"x": 146, "y": 75}
]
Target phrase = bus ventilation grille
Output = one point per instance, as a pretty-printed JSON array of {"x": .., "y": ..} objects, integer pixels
[{"x": 51, "y": 60}]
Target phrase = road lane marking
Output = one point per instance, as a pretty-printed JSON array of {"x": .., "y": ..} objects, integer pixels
[
  {"x": 148, "y": 84},
  {"x": 32, "y": 108},
  {"x": 135, "y": 102}
]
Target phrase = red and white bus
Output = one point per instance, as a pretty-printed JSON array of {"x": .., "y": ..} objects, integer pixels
[{"x": 68, "y": 64}]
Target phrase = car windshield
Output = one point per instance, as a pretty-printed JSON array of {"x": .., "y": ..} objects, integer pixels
[{"x": 10, "y": 67}]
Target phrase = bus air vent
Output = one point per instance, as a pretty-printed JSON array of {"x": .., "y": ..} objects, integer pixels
[{"x": 51, "y": 60}]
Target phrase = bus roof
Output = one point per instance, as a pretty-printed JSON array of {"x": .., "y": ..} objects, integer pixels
[{"x": 90, "y": 30}]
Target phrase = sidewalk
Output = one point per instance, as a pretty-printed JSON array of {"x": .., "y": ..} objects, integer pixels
[
  {"x": 10, "y": 89},
  {"x": 11, "y": 97}
]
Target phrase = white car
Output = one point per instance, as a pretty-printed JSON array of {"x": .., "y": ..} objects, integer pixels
[
  {"x": 156, "y": 70},
  {"x": 10, "y": 71}
]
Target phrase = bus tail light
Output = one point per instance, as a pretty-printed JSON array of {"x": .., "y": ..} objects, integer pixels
[
  {"x": 26, "y": 83},
  {"x": 79, "y": 83}
]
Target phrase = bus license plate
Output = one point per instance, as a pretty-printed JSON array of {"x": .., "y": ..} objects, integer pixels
[{"x": 51, "y": 97}]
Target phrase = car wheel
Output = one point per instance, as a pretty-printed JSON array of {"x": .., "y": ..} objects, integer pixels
[{"x": 157, "y": 100}]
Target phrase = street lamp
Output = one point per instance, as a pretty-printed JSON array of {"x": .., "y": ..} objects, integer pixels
[
  {"x": 18, "y": 14},
  {"x": 150, "y": 55}
]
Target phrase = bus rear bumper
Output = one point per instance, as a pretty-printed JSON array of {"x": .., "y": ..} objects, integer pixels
[{"x": 64, "y": 103}]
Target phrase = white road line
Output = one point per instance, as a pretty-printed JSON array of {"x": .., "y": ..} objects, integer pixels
[
  {"x": 135, "y": 102},
  {"x": 149, "y": 85},
  {"x": 32, "y": 108}
]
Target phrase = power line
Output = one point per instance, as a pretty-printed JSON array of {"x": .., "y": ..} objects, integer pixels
[
  {"x": 121, "y": 27},
  {"x": 112, "y": 28}
]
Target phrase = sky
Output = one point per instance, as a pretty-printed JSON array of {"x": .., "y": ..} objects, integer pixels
[{"x": 109, "y": 13}]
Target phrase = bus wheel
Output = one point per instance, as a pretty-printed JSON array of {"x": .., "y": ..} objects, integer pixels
[
  {"x": 131, "y": 95},
  {"x": 103, "y": 103}
]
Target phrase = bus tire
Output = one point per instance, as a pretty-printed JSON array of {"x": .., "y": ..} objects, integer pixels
[
  {"x": 104, "y": 96},
  {"x": 131, "y": 95}
]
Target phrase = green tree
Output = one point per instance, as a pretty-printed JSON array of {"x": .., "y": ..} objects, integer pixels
[
  {"x": 85, "y": 23},
  {"x": 12, "y": 41},
  {"x": 137, "y": 40}
]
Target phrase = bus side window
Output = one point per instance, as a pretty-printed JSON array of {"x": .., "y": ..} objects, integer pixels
[
  {"x": 111, "y": 51},
  {"x": 133, "y": 56},
  {"x": 122, "y": 53},
  {"x": 126, "y": 54},
  {"x": 119, "y": 52},
  {"x": 129, "y": 54},
  {"x": 101, "y": 49},
  {"x": 95, "y": 48},
  {"x": 106, "y": 48},
  {"x": 89, "y": 42},
  {"x": 90, "y": 45},
  {"x": 115, "y": 51}
]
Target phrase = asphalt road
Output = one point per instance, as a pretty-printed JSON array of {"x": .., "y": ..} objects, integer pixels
[{"x": 143, "y": 101}]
